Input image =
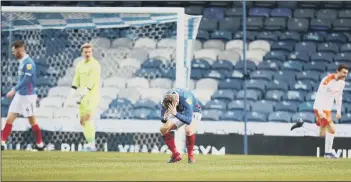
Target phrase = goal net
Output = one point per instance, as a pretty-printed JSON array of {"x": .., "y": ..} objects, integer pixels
[{"x": 142, "y": 51}]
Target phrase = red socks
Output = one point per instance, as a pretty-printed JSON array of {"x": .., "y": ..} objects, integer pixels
[
  {"x": 37, "y": 133},
  {"x": 169, "y": 140},
  {"x": 6, "y": 132},
  {"x": 190, "y": 142}
]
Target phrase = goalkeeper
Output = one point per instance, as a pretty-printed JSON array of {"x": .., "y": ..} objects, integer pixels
[{"x": 87, "y": 81}]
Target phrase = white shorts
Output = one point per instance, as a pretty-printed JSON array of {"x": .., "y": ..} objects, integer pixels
[
  {"x": 24, "y": 105},
  {"x": 196, "y": 119}
]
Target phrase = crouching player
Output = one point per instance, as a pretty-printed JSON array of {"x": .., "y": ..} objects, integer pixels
[
  {"x": 330, "y": 89},
  {"x": 180, "y": 107},
  {"x": 87, "y": 79}
]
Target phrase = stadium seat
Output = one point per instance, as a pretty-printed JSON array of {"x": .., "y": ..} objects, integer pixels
[
  {"x": 255, "y": 56},
  {"x": 231, "y": 84},
  {"x": 218, "y": 75},
  {"x": 127, "y": 68},
  {"x": 267, "y": 36},
  {"x": 343, "y": 58},
  {"x": 133, "y": 94},
  {"x": 306, "y": 107},
  {"x": 155, "y": 115},
  {"x": 280, "y": 116},
  {"x": 145, "y": 43},
  {"x": 229, "y": 55},
  {"x": 305, "y": 116},
  {"x": 283, "y": 46},
  {"x": 214, "y": 12},
  {"x": 209, "y": 55},
  {"x": 346, "y": 119},
  {"x": 281, "y": 12},
  {"x": 274, "y": 95},
  {"x": 224, "y": 95},
  {"x": 222, "y": 65},
  {"x": 232, "y": 116},
  {"x": 275, "y": 24},
  {"x": 313, "y": 37},
  {"x": 309, "y": 47},
  {"x": 304, "y": 13},
  {"x": 276, "y": 56},
  {"x": 297, "y": 96},
  {"x": 115, "y": 82},
  {"x": 109, "y": 92},
  {"x": 286, "y": 106},
  {"x": 308, "y": 76},
  {"x": 309, "y": 4},
  {"x": 327, "y": 14},
  {"x": 337, "y": 37},
  {"x": 51, "y": 102},
  {"x": 216, "y": 105},
  {"x": 311, "y": 96},
  {"x": 260, "y": 45},
  {"x": 235, "y": 11},
  {"x": 59, "y": 92},
  {"x": 263, "y": 12},
  {"x": 138, "y": 82},
  {"x": 250, "y": 65},
  {"x": 153, "y": 94},
  {"x": 231, "y": 24},
  {"x": 167, "y": 43},
  {"x": 152, "y": 63},
  {"x": 267, "y": 66},
  {"x": 262, "y": 75},
  {"x": 258, "y": 85},
  {"x": 202, "y": 35},
  {"x": 250, "y": 36},
  {"x": 292, "y": 66},
  {"x": 45, "y": 113},
  {"x": 263, "y": 106},
  {"x": 200, "y": 64},
  {"x": 345, "y": 48},
  {"x": 322, "y": 57},
  {"x": 208, "y": 24},
  {"x": 277, "y": 85},
  {"x": 291, "y": 37},
  {"x": 235, "y": 45},
  {"x": 328, "y": 47},
  {"x": 122, "y": 42},
  {"x": 298, "y": 24},
  {"x": 163, "y": 83},
  {"x": 121, "y": 103},
  {"x": 203, "y": 95},
  {"x": 238, "y": 105},
  {"x": 141, "y": 113},
  {"x": 221, "y": 35},
  {"x": 138, "y": 54},
  {"x": 256, "y": 117},
  {"x": 194, "y": 10},
  {"x": 250, "y": 95},
  {"x": 197, "y": 74},
  {"x": 287, "y": 4},
  {"x": 211, "y": 114},
  {"x": 254, "y": 23},
  {"x": 197, "y": 45},
  {"x": 101, "y": 42},
  {"x": 164, "y": 54},
  {"x": 301, "y": 57},
  {"x": 214, "y": 44},
  {"x": 344, "y": 13},
  {"x": 66, "y": 113},
  {"x": 333, "y": 4},
  {"x": 320, "y": 24},
  {"x": 207, "y": 83}
]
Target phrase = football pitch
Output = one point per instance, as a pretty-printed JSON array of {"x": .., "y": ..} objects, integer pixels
[{"x": 36, "y": 166}]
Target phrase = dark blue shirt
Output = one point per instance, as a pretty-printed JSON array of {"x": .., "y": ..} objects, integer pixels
[{"x": 27, "y": 77}]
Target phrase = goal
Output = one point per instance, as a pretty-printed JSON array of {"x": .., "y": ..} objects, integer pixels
[{"x": 142, "y": 52}]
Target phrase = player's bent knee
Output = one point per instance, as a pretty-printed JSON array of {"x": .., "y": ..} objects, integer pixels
[
  {"x": 32, "y": 120},
  {"x": 11, "y": 117},
  {"x": 188, "y": 130}
]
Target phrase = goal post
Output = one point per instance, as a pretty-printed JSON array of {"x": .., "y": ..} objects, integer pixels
[{"x": 139, "y": 22}]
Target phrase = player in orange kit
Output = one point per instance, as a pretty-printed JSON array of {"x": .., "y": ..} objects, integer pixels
[{"x": 330, "y": 89}]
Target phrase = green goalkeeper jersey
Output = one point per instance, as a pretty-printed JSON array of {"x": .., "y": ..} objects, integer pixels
[{"x": 87, "y": 75}]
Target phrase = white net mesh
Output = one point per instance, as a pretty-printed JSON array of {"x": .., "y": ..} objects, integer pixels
[{"x": 136, "y": 52}]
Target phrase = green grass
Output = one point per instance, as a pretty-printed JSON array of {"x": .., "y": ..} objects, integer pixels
[{"x": 22, "y": 165}]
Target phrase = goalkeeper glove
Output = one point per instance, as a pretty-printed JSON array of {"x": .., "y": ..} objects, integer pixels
[{"x": 82, "y": 95}]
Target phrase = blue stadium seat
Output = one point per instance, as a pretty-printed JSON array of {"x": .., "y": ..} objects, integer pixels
[
  {"x": 298, "y": 24},
  {"x": 306, "y": 107},
  {"x": 313, "y": 37},
  {"x": 194, "y": 10},
  {"x": 121, "y": 103},
  {"x": 287, "y": 76},
  {"x": 264, "y": 106},
  {"x": 232, "y": 116},
  {"x": 333, "y": 5},
  {"x": 343, "y": 58},
  {"x": 168, "y": 73},
  {"x": 294, "y": 96},
  {"x": 151, "y": 63},
  {"x": 267, "y": 66},
  {"x": 283, "y": 46},
  {"x": 304, "y": 13},
  {"x": 305, "y": 116},
  {"x": 311, "y": 96},
  {"x": 211, "y": 114},
  {"x": 216, "y": 104},
  {"x": 286, "y": 106},
  {"x": 337, "y": 37},
  {"x": 328, "y": 47},
  {"x": 231, "y": 24},
  {"x": 265, "y": 4},
  {"x": 277, "y": 85},
  {"x": 238, "y": 105},
  {"x": 315, "y": 67},
  {"x": 4, "y": 111},
  {"x": 275, "y": 24},
  {"x": 235, "y": 11},
  {"x": 309, "y": 47},
  {"x": 322, "y": 57},
  {"x": 197, "y": 73},
  {"x": 222, "y": 35},
  {"x": 201, "y": 64},
  {"x": 215, "y": 75},
  {"x": 264, "y": 12},
  {"x": 145, "y": 103},
  {"x": 346, "y": 119},
  {"x": 5, "y": 102},
  {"x": 287, "y": 4},
  {"x": 276, "y": 56},
  {"x": 332, "y": 67},
  {"x": 250, "y": 65},
  {"x": 292, "y": 37},
  {"x": 208, "y": 24},
  {"x": 231, "y": 84},
  {"x": 309, "y": 4},
  {"x": 268, "y": 36},
  {"x": 301, "y": 57},
  {"x": 258, "y": 85},
  {"x": 142, "y": 113},
  {"x": 236, "y": 75},
  {"x": 202, "y": 35},
  {"x": 308, "y": 76},
  {"x": 280, "y": 116},
  {"x": 304, "y": 86},
  {"x": 318, "y": 24},
  {"x": 292, "y": 66},
  {"x": 344, "y": 13},
  {"x": 257, "y": 117},
  {"x": 224, "y": 95},
  {"x": 281, "y": 12},
  {"x": 345, "y": 48},
  {"x": 250, "y": 95},
  {"x": 222, "y": 65},
  {"x": 148, "y": 73},
  {"x": 327, "y": 14},
  {"x": 250, "y": 35},
  {"x": 262, "y": 75},
  {"x": 214, "y": 12},
  {"x": 117, "y": 113},
  {"x": 254, "y": 23}
]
